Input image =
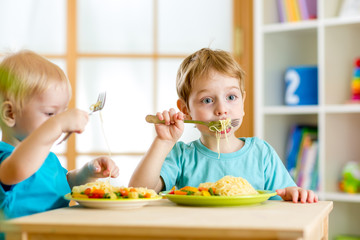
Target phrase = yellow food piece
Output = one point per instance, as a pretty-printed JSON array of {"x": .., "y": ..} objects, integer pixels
[
  {"x": 205, "y": 193},
  {"x": 77, "y": 195},
  {"x": 188, "y": 188},
  {"x": 133, "y": 195}
]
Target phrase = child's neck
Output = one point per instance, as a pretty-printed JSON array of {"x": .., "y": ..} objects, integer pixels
[
  {"x": 232, "y": 144},
  {"x": 10, "y": 140}
]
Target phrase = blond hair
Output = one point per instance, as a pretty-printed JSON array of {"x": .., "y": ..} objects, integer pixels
[
  {"x": 25, "y": 74},
  {"x": 200, "y": 64}
]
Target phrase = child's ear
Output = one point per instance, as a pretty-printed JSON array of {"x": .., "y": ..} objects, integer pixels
[
  {"x": 183, "y": 108},
  {"x": 7, "y": 113}
]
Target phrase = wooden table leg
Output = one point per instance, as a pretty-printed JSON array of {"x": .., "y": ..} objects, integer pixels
[{"x": 326, "y": 228}]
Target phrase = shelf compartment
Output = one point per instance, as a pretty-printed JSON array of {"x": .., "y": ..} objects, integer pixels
[
  {"x": 342, "y": 131},
  {"x": 339, "y": 61},
  {"x": 283, "y": 50},
  {"x": 331, "y": 8},
  {"x": 344, "y": 219},
  {"x": 277, "y": 128},
  {"x": 271, "y": 15}
]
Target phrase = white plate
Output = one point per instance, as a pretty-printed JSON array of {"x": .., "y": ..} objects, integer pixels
[{"x": 112, "y": 204}]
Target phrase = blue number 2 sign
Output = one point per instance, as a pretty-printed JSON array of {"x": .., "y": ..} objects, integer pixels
[
  {"x": 301, "y": 85},
  {"x": 292, "y": 80}
]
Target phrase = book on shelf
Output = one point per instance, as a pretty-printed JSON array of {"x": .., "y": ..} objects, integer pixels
[
  {"x": 296, "y": 10},
  {"x": 281, "y": 11},
  {"x": 302, "y": 156}
]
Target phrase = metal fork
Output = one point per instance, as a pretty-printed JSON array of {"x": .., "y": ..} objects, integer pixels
[
  {"x": 154, "y": 119},
  {"x": 93, "y": 108}
]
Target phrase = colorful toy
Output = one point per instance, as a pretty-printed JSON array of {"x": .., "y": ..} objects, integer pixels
[
  {"x": 355, "y": 83},
  {"x": 350, "y": 181}
]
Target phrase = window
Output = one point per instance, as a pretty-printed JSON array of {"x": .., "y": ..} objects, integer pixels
[{"x": 129, "y": 48}]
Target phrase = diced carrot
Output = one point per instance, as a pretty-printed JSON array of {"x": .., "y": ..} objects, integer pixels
[
  {"x": 202, "y": 189},
  {"x": 98, "y": 191},
  {"x": 191, "y": 189},
  {"x": 179, "y": 192},
  {"x": 124, "y": 192},
  {"x": 87, "y": 191},
  {"x": 132, "y": 190},
  {"x": 147, "y": 195}
]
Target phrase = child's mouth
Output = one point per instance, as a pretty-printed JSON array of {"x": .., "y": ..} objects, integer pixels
[{"x": 227, "y": 130}]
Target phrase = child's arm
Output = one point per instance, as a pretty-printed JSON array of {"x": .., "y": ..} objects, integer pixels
[
  {"x": 31, "y": 153},
  {"x": 97, "y": 168},
  {"x": 147, "y": 173},
  {"x": 295, "y": 194}
]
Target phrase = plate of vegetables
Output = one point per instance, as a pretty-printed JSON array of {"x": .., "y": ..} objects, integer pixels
[
  {"x": 102, "y": 195},
  {"x": 191, "y": 196}
]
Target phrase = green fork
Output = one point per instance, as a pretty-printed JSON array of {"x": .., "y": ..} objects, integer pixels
[{"x": 154, "y": 119}]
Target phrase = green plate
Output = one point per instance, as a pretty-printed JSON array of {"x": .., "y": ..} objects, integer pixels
[{"x": 219, "y": 200}]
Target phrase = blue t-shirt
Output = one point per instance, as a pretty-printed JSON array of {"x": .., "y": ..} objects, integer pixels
[
  {"x": 257, "y": 162},
  {"x": 43, "y": 191}
]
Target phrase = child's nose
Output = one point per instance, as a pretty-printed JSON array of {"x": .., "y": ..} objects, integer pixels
[{"x": 220, "y": 109}]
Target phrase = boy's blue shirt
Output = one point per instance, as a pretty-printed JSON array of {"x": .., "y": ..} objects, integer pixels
[
  {"x": 257, "y": 162},
  {"x": 43, "y": 191}
]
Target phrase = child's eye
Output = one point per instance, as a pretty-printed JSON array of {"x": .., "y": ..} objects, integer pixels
[
  {"x": 207, "y": 100},
  {"x": 231, "y": 97},
  {"x": 50, "y": 114}
]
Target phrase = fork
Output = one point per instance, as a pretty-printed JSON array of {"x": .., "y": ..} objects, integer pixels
[
  {"x": 154, "y": 119},
  {"x": 93, "y": 108}
]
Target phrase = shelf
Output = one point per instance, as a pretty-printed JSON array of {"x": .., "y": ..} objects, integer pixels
[
  {"x": 343, "y": 108},
  {"x": 284, "y": 110},
  {"x": 294, "y": 26},
  {"x": 332, "y": 44},
  {"x": 342, "y": 197},
  {"x": 299, "y": 110},
  {"x": 337, "y": 21}
]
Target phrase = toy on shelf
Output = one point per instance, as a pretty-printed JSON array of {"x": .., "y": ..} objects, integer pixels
[
  {"x": 355, "y": 83},
  {"x": 350, "y": 182}
]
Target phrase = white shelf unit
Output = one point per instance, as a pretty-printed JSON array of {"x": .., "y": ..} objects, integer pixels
[{"x": 332, "y": 43}]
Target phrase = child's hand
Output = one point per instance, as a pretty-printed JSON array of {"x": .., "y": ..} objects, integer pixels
[
  {"x": 101, "y": 167},
  {"x": 173, "y": 127},
  {"x": 73, "y": 120},
  {"x": 296, "y": 194},
  {"x": 97, "y": 168}
]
